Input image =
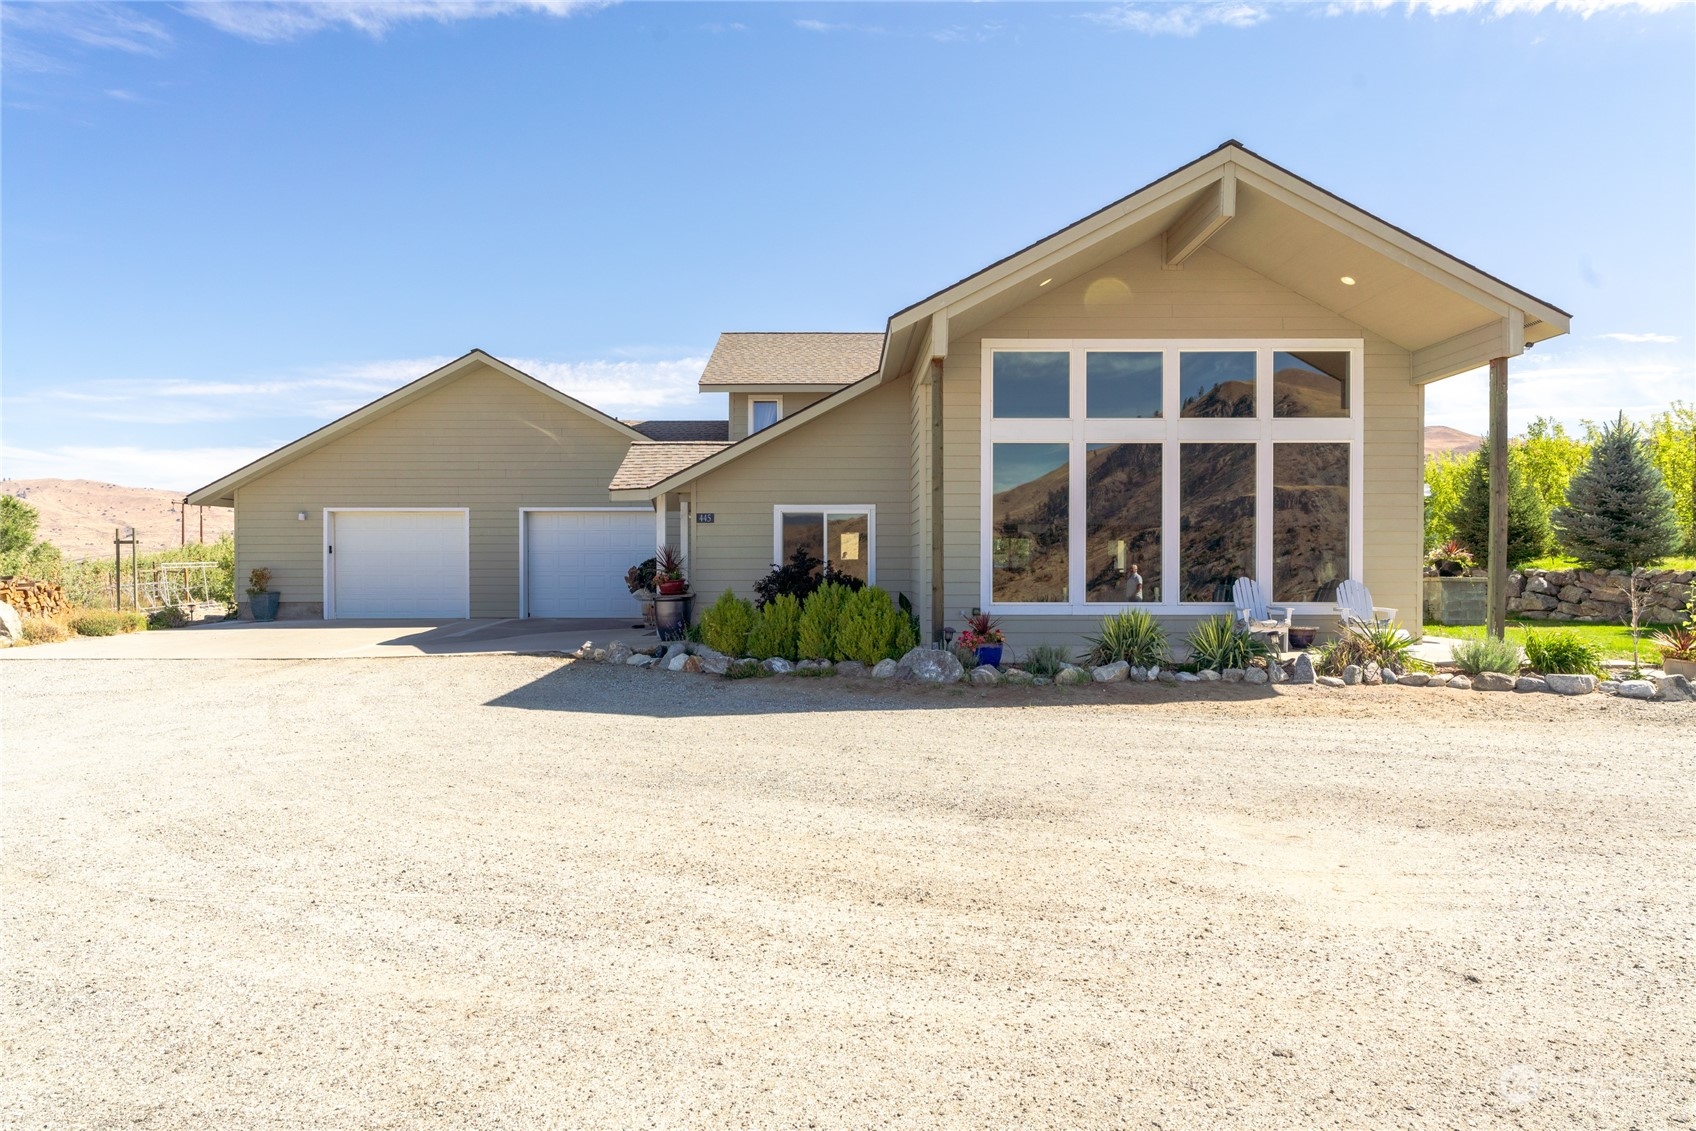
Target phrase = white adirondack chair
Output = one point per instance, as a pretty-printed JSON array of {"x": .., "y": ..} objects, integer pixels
[
  {"x": 1354, "y": 606},
  {"x": 1259, "y": 618}
]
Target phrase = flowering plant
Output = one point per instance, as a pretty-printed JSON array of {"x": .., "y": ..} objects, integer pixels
[
  {"x": 1451, "y": 551},
  {"x": 980, "y": 631}
]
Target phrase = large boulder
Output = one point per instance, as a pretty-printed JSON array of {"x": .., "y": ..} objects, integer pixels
[
  {"x": 1111, "y": 673},
  {"x": 885, "y": 669},
  {"x": 713, "y": 663},
  {"x": 1570, "y": 684},
  {"x": 1492, "y": 681},
  {"x": 1352, "y": 674},
  {"x": 11, "y": 626},
  {"x": 1303, "y": 672},
  {"x": 932, "y": 665},
  {"x": 1636, "y": 689},
  {"x": 1530, "y": 683},
  {"x": 1675, "y": 689}
]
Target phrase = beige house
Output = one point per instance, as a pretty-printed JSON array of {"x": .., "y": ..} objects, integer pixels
[{"x": 1220, "y": 375}]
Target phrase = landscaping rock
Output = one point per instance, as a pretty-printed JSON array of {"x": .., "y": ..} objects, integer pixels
[
  {"x": 1018, "y": 677},
  {"x": 1636, "y": 689},
  {"x": 1303, "y": 672},
  {"x": 1168, "y": 677},
  {"x": 1352, "y": 674},
  {"x": 1414, "y": 679},
  {"x": 1328, "y": 681},
  {"x": 885, "y": 669},
  {"x": 1135, "y": 674},
  {"x": 1439, "y": 679},
  {"x": 1390, "y": 676},
  {"x": 1675, "y": 689},
  {"x": 1254, "y": 675},
  {"x": 713, "y": 663},
  {"x": 1461, "y": 683},
  {"x": 1276, "y": 673},
  {"x": 618, "y": 652},
  {"x": 1208, "y": 675},
  {"x": 1188, "y": 677},
  {"x": 1493, "y": 681},
  {"x": 1570, "y": 684},
  {"x": 932, "y": 665},
  {"x": 11, "y": 624},
  {"x": 1608, "y": 687},
  {"x": 1153, "y": 673},
  {"x": 1530, "y": 683},
  {"x": 1072, "y": 675},
  {"x": 985, "y": 676},
  {"x": 690, "y": 664},
  {"x": 1371, "y": 673},
  {"x": 853, "y": 669},
  {"x": 598, "y": 655},
  {"x": 1232, "y": 675},
  {"x": 1111, "y": 673},
  {"x": 1042, "y": 681},
  {"x": 813, "y": 665},
  {"x": 640, "y": 660},
  {"x": 777, "y": 665}
]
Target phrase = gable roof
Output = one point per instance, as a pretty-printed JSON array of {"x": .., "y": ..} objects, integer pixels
[
  {"x": 647, "y": 463},
  {"x": 221, "y": 492},
  {"x": 804, "y": 360},
  {"x": 673, "y": 431}
]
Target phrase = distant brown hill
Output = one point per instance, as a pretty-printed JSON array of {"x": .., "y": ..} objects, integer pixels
[
  {"x": 77, "y": 515},
  {"x": 1439, "y": 438}
]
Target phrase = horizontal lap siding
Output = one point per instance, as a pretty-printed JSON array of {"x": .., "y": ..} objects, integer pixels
[
  {"x": 855, "y": 454},
  {"x": 482, "y": 441},
  {"x": 1210, "y": 297},
  {"x": 792, "y": 404}
]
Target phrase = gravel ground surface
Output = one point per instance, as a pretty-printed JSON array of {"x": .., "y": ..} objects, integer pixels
[{"x": 516, "y": 892}]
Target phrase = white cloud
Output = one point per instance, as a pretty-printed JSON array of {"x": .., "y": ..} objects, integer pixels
[
  {"x": 1582, "y": 8},
  {"x": 1656, "y": 339},
  {"x": 265, "y": 21},
  {"x": 1569, "y": 382},
  {"x": 101, "y": 25},
  {"x": 1182, "y": 18},
  {"x": 1190, "y": 17},
  {"x": 179, "y": 469}
]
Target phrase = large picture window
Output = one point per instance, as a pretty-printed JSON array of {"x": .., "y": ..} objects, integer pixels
[
  {"x": 1158, "y": 473},
  {"x": 839, "y": 536}
]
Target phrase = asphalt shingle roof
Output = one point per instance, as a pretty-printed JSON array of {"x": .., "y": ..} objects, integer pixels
[
  {"x": 647, "y": 463},
  {"x": 792, "y": 359},
  {"x": 709, "y": 431}
]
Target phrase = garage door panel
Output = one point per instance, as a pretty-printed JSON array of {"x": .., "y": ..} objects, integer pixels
[
  {"x": 407, "y": 564},
  {"x": 575, "y": 561}
]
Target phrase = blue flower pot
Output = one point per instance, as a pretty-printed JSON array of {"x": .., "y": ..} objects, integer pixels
[
  {"x": 989, "y": 655},
  {"x": 263, "y": 605}
]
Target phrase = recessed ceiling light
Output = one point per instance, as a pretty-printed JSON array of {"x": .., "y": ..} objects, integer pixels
[
  {"x": 1045, "y": 282},
  {"x": 1348, "y": 280}
]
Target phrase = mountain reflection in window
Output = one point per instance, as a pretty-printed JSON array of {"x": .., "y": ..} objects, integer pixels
[
  {"x": 1029, "y": 527},
  {"x": 1215, "y": 519},
  {"x": 1032, "y": 384},
  {"x": 1310, "y": 384},
  {"x": 1122, "y": 543},
  {"x": 1216, "y": 384},
  {"x": 1310, "y": 520}
]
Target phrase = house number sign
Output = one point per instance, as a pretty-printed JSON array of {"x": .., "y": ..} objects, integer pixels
[{"x": 703, "y": 516}]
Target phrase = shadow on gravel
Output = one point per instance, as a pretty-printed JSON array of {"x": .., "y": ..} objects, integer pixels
[{"x": 600, "y": 690}]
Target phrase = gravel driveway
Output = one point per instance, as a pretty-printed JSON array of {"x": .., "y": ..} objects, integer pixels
[{"x": 514, "y": 892}]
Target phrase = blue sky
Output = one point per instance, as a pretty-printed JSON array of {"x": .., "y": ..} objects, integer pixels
[{"x": 223, "y": 224}]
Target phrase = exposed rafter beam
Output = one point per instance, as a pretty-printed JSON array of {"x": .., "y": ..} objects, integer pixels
[
  {"x": 1218, "y": 204},
  {"x": 1503, "y": 337}
]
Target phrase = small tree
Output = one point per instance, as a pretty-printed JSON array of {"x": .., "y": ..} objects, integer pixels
[
  {"x": 18, "y": 522},
  {"x": 1528, "y": 519},
  {"x": 1618, "y": 513}
]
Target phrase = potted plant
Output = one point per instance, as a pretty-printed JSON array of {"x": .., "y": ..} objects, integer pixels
[
  {"x": 260, "y": 600},
  {"x": 1678, "y": 650},
  {"x": 984, "y": 638},
  {"x": 639, "y": 579},
  {"x": 668, "y": 571},
  {"x": 1451, "y": 559}
]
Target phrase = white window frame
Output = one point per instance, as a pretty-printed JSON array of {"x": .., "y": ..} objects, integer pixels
[
  {"x": 1171, "y": 431},
  {"x": 524, "y": 514},
  {"x": 827, "y": 509},
  {"x": 774, "y": 398},
  {"x": 329, "y": 559}
]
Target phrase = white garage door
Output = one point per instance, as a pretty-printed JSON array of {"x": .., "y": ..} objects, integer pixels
[
  {"x": 412, "y": 564},
  {"x": 574, "y": 561}
]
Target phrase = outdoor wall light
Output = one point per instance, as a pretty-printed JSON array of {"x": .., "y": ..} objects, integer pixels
[{"x": 300, "y": 517}]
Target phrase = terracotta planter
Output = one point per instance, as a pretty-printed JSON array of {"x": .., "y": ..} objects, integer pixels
[
  {"x": 1685, "y": 668},
  {"x": 673, "y": 588}
]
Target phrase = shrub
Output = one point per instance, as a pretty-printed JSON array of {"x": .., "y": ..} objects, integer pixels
[
  {"x": 1220, "y": 643},
  {"x": 776, "y": 628},
  {"x": 873, "y": 629},
  {"x": 821, "y": 613},
  {"x": 106, "y": 622},
  {"x": 1385, "y": 645},
  {"x": 1046, "y": 659},
  {"x": 724, "y": 627},
  {"x": 1562, "y": 652},
  {"x": 168, "y": 617},
  {"x": 799, "y": 577},
  {"x": 44, "y": 630},
  {"x": 744, "y": 669},
  {"x": 1529, "y": 534},
  {"x": 1487, "y": 655},
  {"x": 1132, "y": 636},
  {"x": 258, "y": 581},
  {"x": 1619, "y": 513}
]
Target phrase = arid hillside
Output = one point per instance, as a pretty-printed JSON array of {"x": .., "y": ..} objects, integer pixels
[
  {"x": 1439, "y": 438},
  {"x": 77, "y": 515}
]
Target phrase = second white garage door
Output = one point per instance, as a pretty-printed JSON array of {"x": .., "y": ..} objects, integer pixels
[
  {"x": 574, "y": 561},
  {"x": 411, "y": 564}
]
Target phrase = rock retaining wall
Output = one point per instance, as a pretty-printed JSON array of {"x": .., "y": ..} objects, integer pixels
[{"x": 1597, "y": 595}]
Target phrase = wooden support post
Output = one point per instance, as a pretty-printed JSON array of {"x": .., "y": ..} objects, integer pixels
[
  {"x": 117, "y": 568},
  {"x": 182, "y": 525},
  {"x": 1497, "y": 586},
  {"x": 659, "y": 520}
]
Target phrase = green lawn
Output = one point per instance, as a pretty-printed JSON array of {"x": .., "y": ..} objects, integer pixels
[
  {"x": 1614, "y": 640},
  {"x": 1556, "y": 561}
]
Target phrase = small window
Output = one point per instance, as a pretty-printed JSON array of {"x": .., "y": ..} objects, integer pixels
[
  {"x": 842, "y": 538},
  {"x": 763, "y": 412},
  {"x": 1033, "y": 384},
  {"x": 1123, "y": 385}
]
